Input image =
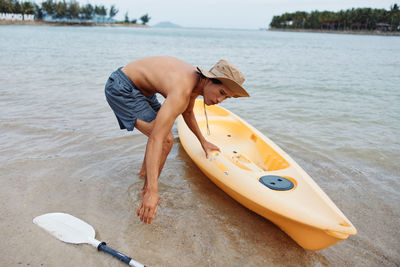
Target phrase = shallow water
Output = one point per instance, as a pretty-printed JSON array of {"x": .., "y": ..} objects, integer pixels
[{"x": 331, "y": 101}]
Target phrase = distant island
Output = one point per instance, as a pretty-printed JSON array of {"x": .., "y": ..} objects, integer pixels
[
  {"x": 62, "y": 12},
  {"x": 166, "y": 24},
  {"x": 355, "y": 20}
]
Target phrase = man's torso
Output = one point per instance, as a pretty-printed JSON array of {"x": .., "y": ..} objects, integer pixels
[{"x": 162, "y": 75}]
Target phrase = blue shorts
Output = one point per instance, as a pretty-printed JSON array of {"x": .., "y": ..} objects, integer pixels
[{"x": 127, "y": 102}]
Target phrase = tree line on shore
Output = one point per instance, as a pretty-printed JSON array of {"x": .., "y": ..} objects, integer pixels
[
  {"x": 63, "y": 10},
  {"x": 351, "y": 19}
]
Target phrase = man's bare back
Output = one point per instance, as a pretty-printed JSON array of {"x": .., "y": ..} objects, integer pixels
[{"x": 161, "y": 75}]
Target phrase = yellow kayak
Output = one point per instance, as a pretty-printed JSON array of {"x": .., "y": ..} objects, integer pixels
[{"x": 261, "y": 176}]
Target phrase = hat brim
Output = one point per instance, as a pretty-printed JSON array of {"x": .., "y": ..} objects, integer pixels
[{"x": 237, "y": 89}]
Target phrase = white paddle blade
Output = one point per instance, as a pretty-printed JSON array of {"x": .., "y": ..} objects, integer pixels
[{"x": 66, "y": 227}]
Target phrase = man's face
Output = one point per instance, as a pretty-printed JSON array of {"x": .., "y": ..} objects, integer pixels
[{"x": 216, "y": 93}]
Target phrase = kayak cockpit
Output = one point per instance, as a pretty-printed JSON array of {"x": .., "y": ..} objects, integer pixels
[{"x": 243, "y": 147}]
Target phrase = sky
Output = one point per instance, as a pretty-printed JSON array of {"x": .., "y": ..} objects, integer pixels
[{"x": 239, "y": 14}]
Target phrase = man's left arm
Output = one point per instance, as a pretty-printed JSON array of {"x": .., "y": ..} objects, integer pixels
[{"x": 191, "y": 122}]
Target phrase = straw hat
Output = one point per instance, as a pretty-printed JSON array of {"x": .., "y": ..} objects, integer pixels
[{"x": 229, "y": 75}]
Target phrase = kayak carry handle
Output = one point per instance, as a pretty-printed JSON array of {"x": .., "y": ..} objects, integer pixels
[
  {"x": 243, "y": 162},
  {"x": 336, "y": 234},
  {"x": 238, "y": 160}
]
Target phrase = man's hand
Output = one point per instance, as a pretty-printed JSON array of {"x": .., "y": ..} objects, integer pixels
[
  {"x": 209, "y": 147},
  {"x": 148, "y": 208}
]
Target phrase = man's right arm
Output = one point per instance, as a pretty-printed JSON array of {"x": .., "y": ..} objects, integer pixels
[{"x": 173, "y": 106}]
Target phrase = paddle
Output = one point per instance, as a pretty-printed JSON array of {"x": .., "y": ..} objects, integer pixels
[{"x": 72, "y": 230}]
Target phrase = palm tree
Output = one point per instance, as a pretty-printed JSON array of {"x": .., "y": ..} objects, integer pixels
[
  {"x": 38, "y": 12},
  {"x": 87, "y": 11},
  {"x": 5, "y": 6},
  {"x": 73, "y": 10},
  {"x": 113, "y": 11},
  {"x": 28, "y": 8},
  {"x": 60, "y": 9},
  {"x": 48, "y": 7},
  {"x": 145, "y": 19},
  {"x": 100, "y": 11},
  {"x": 393, "y": 16},
  {"x": 126, "y": 18},
  {"x": 17, "y": 7}
]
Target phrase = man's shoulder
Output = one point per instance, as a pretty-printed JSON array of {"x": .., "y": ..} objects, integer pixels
[{"x": 182, "y": 80}]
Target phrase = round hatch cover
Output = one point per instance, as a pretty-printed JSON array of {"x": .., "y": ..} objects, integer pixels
[{"x": 276, "y": 182}]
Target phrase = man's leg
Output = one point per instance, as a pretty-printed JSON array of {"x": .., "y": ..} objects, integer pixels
[
  {"x": 146, "y": 128},
  {"x": 142, "y": 172}
]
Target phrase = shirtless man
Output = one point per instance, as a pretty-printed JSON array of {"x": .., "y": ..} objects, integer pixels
[{"x": 131, "y": 90}]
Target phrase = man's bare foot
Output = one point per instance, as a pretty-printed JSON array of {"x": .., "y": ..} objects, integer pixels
[{"x": 141, "y": 174}]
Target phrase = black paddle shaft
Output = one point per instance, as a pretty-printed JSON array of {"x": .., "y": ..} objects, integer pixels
[{"x": 103, "y": 247}]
